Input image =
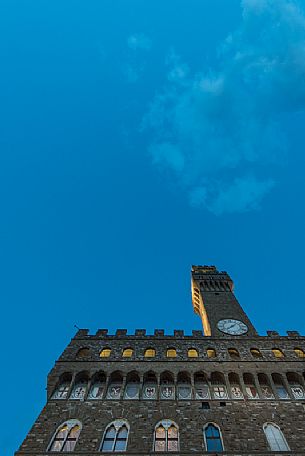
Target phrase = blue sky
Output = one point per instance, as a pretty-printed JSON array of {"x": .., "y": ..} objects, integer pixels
[{"x": 139, "y": 138}]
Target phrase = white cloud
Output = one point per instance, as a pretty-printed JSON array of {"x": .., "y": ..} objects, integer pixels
[
  {"x": 139, "y": 41},
  {"x": 222, "y": 126}
]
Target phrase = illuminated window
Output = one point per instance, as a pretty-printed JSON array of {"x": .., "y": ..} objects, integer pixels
[
  {"x": 66, "y": 437},
  {"x": 211, "y": 353},
  {"x": 171, "y": 353},
  {"x": 127, "y": 353},
  {"x": 83, "y": 353},
  {"x": 115, "y": 437},
  {"x": 166, "y": 436},
  {"x": 277, "y": 353},
  {"x": 256, "y": 353},
  {"x": 192, "y": 353},
  {"x": 275, "y": 438},
  {"x": 233, "y": 353},
  {"x": 105, "y": 353},
  {"x": 212, "y": 438},
  {"x": 299, "y": 352},
  {"x": 150, "y": 353}
]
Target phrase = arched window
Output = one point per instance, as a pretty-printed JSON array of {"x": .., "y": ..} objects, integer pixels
[
  {"x": 150, "y": 389},
  {"x": 167, "y": 386},
  {"x": 150, "y": 353},
  {"x": 279, "y": 386},
  {"x": 171, "y": 353},
  {"x": 256, "y": 353},
  {"x": 127, "y": 353},
  {"x": 184, "y": 386},
  {"x": 166, "y": 436},
  {"x": 234, "y": 354},
  {"x": 211, "y": 353},
  {"x": 265, "y": 386},
  {"x": 295, "y": 384},
  {"x": 83, "y": 352},
  {"x": 250, "y": 386},
  {"x": 192, "y": 353},
  {"x": 63, "y": 387},
  {"x": 218, "y": 385},
  {"x": 115, "y": 385},
  {"x": 277, "y": 353},
  {"x": 201, "y": 386},
  {"x": 299, "y": 352},
  {"x": 80, "y": 386},
  {"x": 212, "y": 438},
  {"x": 132, "y": 388},
  {"x": 66, "y": 436},
  {"x": 236, "y": 391},
  {"x": 105, "y": 353},
  {"x": 97, "y": 386},
  {"x": 275, "y": 437},
  {"x": 116, "y": 436}
]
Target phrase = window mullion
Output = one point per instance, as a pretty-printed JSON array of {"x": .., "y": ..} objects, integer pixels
[{"x": 115, "y": 439}]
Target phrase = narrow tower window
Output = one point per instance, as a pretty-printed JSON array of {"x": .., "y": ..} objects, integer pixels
[
  {"x": 192, "y": 353},
  {"x": 211, "y": 353},
  {"x": 127, "y": 353},
  {"x": 277, "y": 353},
  {"x": 256, "y": 353},
  {"x": 66, "y": 436},
  {"x": 299, "y": 352},
  {"x": 150, "y": 353},
  {"x": 234, "y": 354},
  {"x": 105, "y": 353},
  {"x": 171, "y": 353},
  {"x": 83, "y": 352}
]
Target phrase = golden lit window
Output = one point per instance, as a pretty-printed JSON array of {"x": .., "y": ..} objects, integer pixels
[
  {"x": 256, "y": 353},
  {"x": 299, "y": 352},
  {"x": 211, "y": 353},
  {"x": 127, "y": 353},
  {"x": 233, "y": 353},
  {"x": 83, "y": 352},
  {"x": 192, "y": 353},
  {"x": 150, "y": 353},
  {"x": 105, "y": 353},
  {"x": 66, "y": 437},
  {"x": 277, "y": 353},
  {"x": 171, "y": 353}
]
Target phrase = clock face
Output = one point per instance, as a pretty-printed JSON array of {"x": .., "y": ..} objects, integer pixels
[{"x": 234, "y": 327}]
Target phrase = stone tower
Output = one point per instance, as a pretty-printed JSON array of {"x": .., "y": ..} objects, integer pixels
[{"x": 226, "y": 391}]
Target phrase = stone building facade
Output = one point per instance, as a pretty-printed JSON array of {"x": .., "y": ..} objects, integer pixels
[{"x": 227, "y": 390}]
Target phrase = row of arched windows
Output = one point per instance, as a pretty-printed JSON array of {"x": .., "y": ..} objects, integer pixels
[
  {"x": 200, "y": 386},
  {"x": 165, "y": 438},
  {"x": 150, "y": 352}
]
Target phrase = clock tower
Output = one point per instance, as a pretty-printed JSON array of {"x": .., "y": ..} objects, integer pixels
[{"x": 214, "y": 301}]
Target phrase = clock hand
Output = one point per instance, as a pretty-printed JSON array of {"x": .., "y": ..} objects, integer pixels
[{"x": 232, "y": 326}]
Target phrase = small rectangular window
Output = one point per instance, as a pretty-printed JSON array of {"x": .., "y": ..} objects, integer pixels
[
  {"x": 222, "y": 404},
  {"x": 205, "y": 406}
]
